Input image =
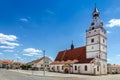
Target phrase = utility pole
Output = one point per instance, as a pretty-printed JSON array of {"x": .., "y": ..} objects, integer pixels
[
  {"x": 17, "y": 64},
  {"x": 44, "y": 62}
]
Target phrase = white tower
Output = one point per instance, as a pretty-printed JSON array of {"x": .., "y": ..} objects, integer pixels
[{"x": 96, "y": 46}]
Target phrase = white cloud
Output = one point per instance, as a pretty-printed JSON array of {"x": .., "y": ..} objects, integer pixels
[
  {"x": 108, "y": 32},
  {"x": 24, "y": 19},
  {"x": 19, "y": 58},
  {"x": 118, "y": 55},
  {"x": 51, "y": 58},
  {"x": 32, "y": 52},
  {"x": 1, "y": 53},
  {"x": 113, "y": 23},
  {"x": 8, "y": 41},
  {"x": 108, "y": 59},
  {"x": 7, "y": 37},
  {"x": 50, "y": 12},
  {"x": 8, "y": 51}
]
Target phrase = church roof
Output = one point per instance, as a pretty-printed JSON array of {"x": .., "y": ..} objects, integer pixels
[{"x": 76, "y": 55}]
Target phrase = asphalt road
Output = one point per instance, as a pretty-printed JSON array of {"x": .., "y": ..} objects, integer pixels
[{"x": 9, "y": 75}]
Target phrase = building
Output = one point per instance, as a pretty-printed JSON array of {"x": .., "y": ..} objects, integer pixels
[
  {"x": 41, "y": 63},
  {"x": 6, "y": 63},
  {"x": 17, "y": 65},
  {"x": 113, "y": 69},
  {"x": 89, "y": 59}
]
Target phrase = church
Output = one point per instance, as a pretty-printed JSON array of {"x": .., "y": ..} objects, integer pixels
[{"x": 88, "y": 59}]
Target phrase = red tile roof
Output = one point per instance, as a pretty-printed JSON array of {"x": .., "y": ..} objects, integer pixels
[
  {"x": 6, "y": 61},
  {"x": 17, "y": 63},
  {"x": 77, "y": 55}
]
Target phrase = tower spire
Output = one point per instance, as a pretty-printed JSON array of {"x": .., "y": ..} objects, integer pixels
[
  {"x": 72, "y": 46},
  {"x": 95, "y": 12},
  {"x": 96, "y": 22}
]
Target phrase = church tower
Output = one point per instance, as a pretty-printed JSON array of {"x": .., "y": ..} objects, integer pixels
[{"x": 96, "y": 46}]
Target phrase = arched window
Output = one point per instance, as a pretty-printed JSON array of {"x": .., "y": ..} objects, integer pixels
[{"x": 85, "y": 67}]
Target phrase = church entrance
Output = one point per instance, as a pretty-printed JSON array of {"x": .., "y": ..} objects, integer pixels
[{"x": 66, "y": 70}]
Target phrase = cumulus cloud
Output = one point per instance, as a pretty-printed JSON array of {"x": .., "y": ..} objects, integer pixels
[
  {"x": 8, "y": 51},
  {"x": 113, "y": 23},
  {"x": 8, "y": 41},
  {"x": 24, "y": 19},
  {"x": 31, "y": 52}
]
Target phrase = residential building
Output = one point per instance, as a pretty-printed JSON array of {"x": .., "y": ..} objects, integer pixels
[
  {"x": 41, "y": 63},
  {"x": 88, "y": 59},
  {"x": 17, "y": 65},
  {"x": 6, "y": 63},
  {"x": 113, "y": 69}
]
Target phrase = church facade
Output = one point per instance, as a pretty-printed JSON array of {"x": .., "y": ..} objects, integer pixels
[{"x": 89, "y": 59}]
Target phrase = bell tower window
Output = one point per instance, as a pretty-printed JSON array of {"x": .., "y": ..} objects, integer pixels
[{"x": 92, "y": 40}]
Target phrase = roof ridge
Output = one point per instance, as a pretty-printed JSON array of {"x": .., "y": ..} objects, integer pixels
[{"x": 73, "y": 49}]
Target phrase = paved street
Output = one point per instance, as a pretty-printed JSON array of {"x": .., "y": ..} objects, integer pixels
[
  {"x": 38, "y": 75},
  {"x": 10, "y": 75}
]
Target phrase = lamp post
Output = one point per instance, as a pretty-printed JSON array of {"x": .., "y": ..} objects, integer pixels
[{"x": 44, "y": 62}]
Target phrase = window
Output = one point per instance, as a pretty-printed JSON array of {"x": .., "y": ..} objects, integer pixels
[
  {"x": 92, "y": 28},
  {"x": 57, "y": 67},
  {"x": 92, "y": 47},
  {"x": 97, "y": 68},
  {"x": 103, "y": 41},
  {"x": 85, "y": 67},
  {"x": 75, "y": 67},
  {"x": 92, "y": 40},
  {"x": 62, "y": 67}
]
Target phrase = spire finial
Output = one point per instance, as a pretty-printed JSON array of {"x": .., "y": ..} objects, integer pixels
[
  {"x": 95, "y": 5},
  {"x": 95, "y": 12}
]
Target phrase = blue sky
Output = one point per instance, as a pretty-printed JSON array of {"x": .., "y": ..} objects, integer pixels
[{"x": 29, "y": 26}]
